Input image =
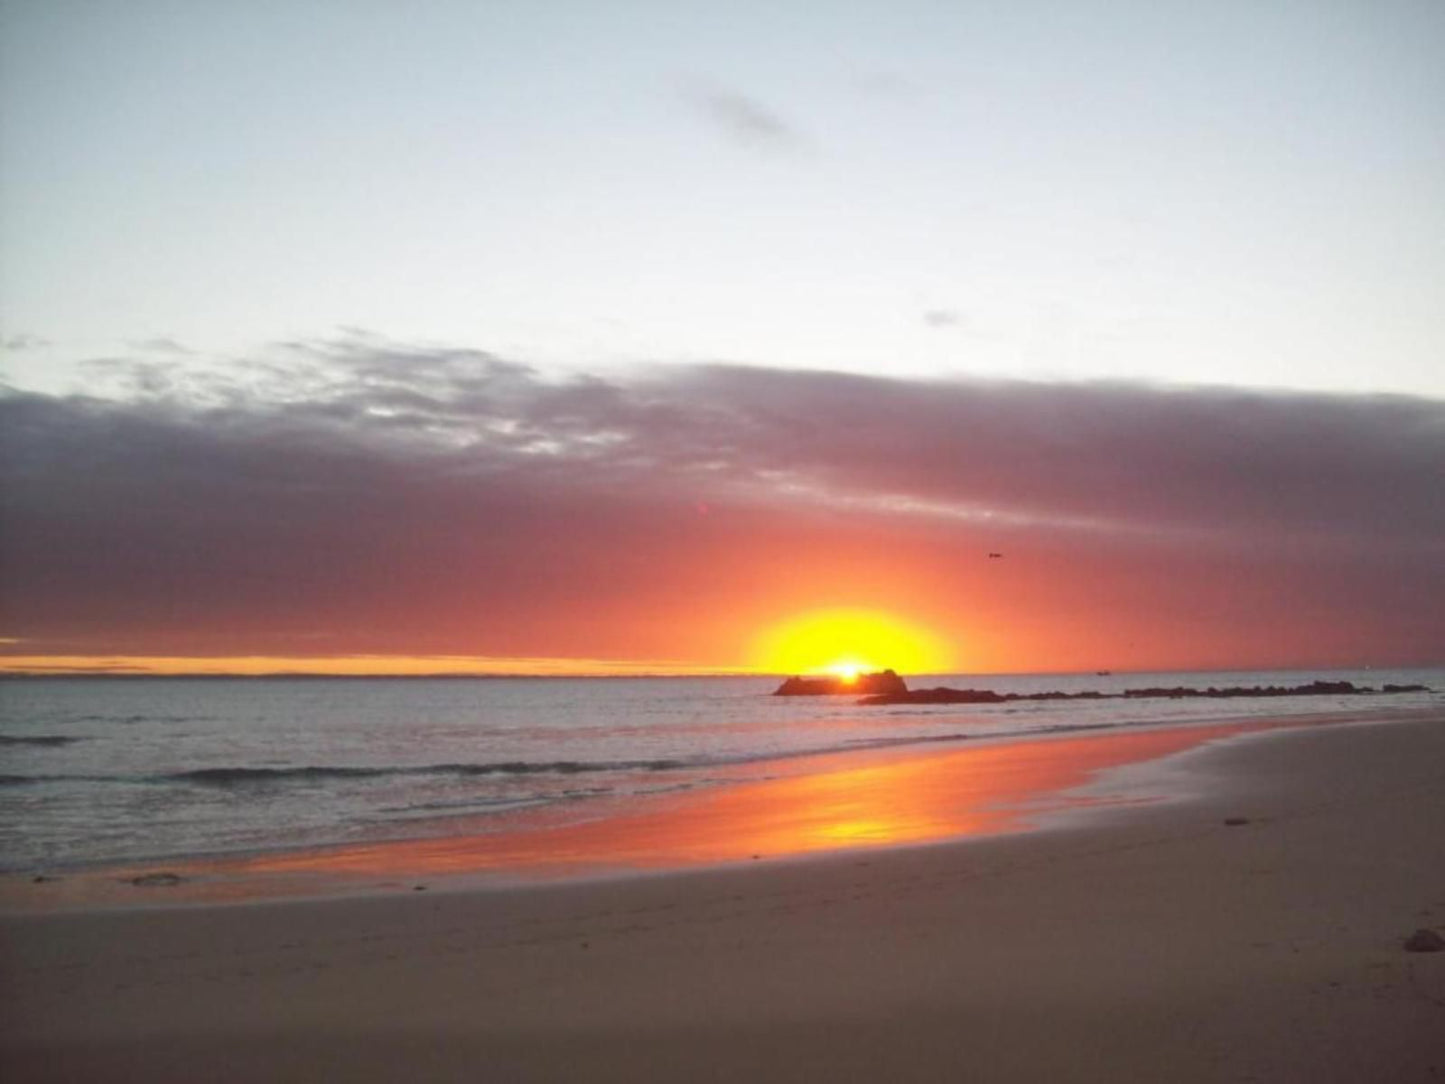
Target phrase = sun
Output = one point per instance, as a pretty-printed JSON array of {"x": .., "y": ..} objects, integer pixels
[{"x": 849, "y": 642}]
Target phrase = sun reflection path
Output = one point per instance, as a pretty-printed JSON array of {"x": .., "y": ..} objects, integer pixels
[{"x": 826, "y": 807}]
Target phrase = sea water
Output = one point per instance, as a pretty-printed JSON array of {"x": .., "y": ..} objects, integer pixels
[{"x": 111, "y": 770}]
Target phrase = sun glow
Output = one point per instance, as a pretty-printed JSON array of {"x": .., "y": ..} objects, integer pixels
[{"x": 848, "y": 642}]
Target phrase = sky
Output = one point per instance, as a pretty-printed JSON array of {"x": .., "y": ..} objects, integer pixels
[{"x": 559, "y": 336}]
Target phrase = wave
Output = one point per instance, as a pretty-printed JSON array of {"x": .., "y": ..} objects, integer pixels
[
  {"x": 240, "y": 776},
  {"x": 133, "y": 720},
  {"x": 459, "y": 805},
  {"x": 46, "y": 741},
  {"x": 31, "y": 780}
]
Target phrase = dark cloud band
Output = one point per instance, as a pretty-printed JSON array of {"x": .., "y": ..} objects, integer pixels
[{"x": 339, "y": 479}]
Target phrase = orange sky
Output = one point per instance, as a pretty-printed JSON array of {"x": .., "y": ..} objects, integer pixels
[{"x": 666, "y": 524}]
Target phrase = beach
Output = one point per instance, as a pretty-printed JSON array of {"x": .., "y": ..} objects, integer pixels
[
  {"x": 1252, "y": 930},
  {"x": 618, "y": 542}
]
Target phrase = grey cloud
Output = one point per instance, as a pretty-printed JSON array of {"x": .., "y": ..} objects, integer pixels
[
  {"x": 344, "y": 480},
  {"x": 1115, "y": 454},
  {"x": 747, "y": 121},
  {"x": 23, "y": 342}
]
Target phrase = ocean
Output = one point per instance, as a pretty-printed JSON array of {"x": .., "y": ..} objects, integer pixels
[{"x": 95, "y": 771}]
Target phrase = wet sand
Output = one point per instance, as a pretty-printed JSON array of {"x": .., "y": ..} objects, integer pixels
[{"x": 1135, "y": 942}]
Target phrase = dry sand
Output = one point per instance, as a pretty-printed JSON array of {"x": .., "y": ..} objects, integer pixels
[{"x": 1156, "y": 943}]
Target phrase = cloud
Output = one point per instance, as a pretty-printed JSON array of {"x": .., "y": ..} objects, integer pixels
[
  {"x": 162, "y": 345},
  {"x": 399, "y": 497},
  {"x": 23, "y": 342},
  {"x": 941, "y": 318},
  {"x": 747, "y": 122},
  {"x": 1115, "y": 455}
]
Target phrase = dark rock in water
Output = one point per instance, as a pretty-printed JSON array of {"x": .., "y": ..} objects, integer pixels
[
  {"x": 157, "y": 880},
  {"x": 801, "y": 686},
  {"x": 945, "y": 695},
  {"x": 1314, "y": 688},
  {"x": 940, "y": 695},
  {"x": 881, "y": 682},
  {"x": 1425, "y": 941},
  {"x": 1235, "y": 822}
]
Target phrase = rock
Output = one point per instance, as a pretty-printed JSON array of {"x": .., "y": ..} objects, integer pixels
[
  {"x": 1328, "y": 688},
  {"x": 801, "y": 686},
  {"x": 1235, "y": 822},
  {"x": 1425, "y": 941},
  {"x": 882, "y": 682},
  {"x": 940, "y": 695},
  {"x": 945, "y": 695},
  {"x": 157, "y": 880}
]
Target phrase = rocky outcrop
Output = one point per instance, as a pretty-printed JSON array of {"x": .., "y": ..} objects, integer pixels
[
  {"x": 880, "y": 683},
  {"x": 945, "y": 695},
  {"x": 1314, "y": 688},
  {"x": 939, "y": 695}
]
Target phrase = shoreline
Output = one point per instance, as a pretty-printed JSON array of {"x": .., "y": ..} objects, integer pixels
[
  {"x": 1078, "y": 774},
  {"x": 129, "y": 777},
  {"x": 1165, "y": 944}
]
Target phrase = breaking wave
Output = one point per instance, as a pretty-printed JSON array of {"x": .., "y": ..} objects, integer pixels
[{"x": 241, "y": 777}]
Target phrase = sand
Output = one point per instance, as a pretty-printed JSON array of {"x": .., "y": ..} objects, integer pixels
[{"x": 1140, "y": 943}]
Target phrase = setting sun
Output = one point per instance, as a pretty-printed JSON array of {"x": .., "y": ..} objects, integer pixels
[{"x": 847, "y": 642}]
